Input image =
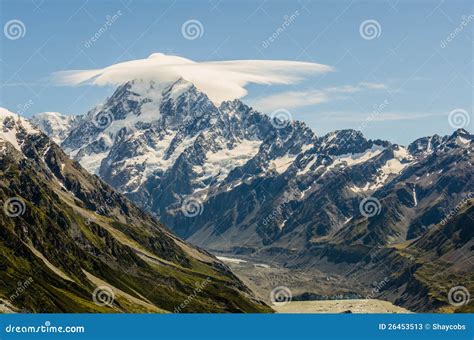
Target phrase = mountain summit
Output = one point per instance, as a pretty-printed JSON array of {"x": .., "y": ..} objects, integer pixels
[
  {"x": 235, "y": 181},
  {"x": 80, "y": 246},
  {"x": 167, "y": 145}
]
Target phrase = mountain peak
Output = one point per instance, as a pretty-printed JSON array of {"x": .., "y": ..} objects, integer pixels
[
  {"x": 146, "y": 87},
  {"x": 235, "y": 105},
  {"x": 14, "y": 128},
  {"x": 346, "y": 134},
  {"x": 54, "y": 124},
  {"x": 139, "y": 103},
  {"x": 428, "y": 144},
  {"x": 105, "y": 234},
  {"x": 460, "y": 138},
  {"x": 4, "y": 113},
  {"x": 461, "y": 133}
]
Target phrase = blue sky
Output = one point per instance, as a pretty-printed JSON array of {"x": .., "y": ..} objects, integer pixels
[{"x": 407, "y": 78}]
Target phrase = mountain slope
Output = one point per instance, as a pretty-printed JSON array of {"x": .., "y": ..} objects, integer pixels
[
  {"x": 235, "y": 181},
  {"x": 66, "y": 235},
  {"x": 433, "y": 272},
  {"x": 231, "y": 179}
]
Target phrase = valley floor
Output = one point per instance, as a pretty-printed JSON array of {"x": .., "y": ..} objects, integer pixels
[
  {"x": 263, "y": 278},
  {"x": 340, "y": 306}
]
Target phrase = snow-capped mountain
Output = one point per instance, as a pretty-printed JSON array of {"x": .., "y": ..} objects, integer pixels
[
  {"x": 14, "y": 129},
  {"x": 229, "y": 178},
  {"x": 75, "y": 235},
  {"x": 54, "y": 124}
]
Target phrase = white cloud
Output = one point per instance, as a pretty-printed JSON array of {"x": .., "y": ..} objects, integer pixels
[
  {"x": 294, "y": 99},
  {"x": 220, "y": 80},
  {"x": 373, "y": 86},
  {"x": 290, "y": 99}
]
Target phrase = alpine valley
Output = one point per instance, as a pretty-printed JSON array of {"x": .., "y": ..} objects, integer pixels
[
  {"x": 71, "y": 243},
  {"x": 327, "y": 216}
]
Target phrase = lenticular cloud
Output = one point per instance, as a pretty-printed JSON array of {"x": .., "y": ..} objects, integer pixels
[{"x": 220, "y": 80}]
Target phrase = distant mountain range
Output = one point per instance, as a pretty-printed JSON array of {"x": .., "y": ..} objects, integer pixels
[
  {"x": 233, "y": 180},
  {"x": 71, "y": 243}
]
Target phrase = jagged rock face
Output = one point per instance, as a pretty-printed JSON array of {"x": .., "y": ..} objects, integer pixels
[
  {"x": 426, "y": 273},
  {"x": 229, "y": 178},
  {"x": 55, "y": 124},
  {"x": 66, "y": 234}
]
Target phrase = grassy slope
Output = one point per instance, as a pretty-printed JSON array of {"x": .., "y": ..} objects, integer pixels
[{"x": 148, "y": 269}]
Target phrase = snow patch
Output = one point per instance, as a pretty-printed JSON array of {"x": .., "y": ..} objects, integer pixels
[
  {"x": 219, "y": 164},
  {"x": 282, "y": 164},
  {"x": 461, "y": 141},
  {"x": 415, "y": 201},
  {"x": 354, "y": 159},
  {"x": 402, "y": 153},
  {"x": 391, "y": 167},
  {"x": 230, "y": 259},
  {"x": 91, "y": 162},
  {"x": 17, "y": 125}
]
